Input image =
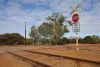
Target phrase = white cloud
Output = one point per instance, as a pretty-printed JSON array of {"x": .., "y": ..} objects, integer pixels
[
  {"x": 90, "y": 20},
  {"x": 14, "y": 15}
]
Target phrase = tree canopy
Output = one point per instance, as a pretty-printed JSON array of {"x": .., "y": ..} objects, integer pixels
[
  {"x": 11, "y": 38},
  {"x": 52, "y": 29}
]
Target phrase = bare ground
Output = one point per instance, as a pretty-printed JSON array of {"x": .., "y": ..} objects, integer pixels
[
  {"x": 7, "y": 60},
  {"x": 86, "y": 51}
]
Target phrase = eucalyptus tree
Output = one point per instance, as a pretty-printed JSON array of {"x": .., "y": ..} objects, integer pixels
[
  {"x": 45, "y": 29},
  {"x": 59, "y": 29},
  {"x": 52, "y": 30},
  {"x": 34, "y": 35}
]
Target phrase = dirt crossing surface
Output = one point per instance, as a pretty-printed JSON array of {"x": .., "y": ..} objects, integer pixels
[
  {"x": 7, "y": 60},
  {"x": 86, "y": 52},
  {"x": 56, "y": 62}
]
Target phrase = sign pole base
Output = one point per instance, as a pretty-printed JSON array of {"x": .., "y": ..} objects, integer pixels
[{"x": 77, "y": 45}]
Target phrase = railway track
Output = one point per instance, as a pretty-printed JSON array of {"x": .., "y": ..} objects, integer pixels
[
  {"x": 33, "y": 62},
  {"x": 40, "y": 59},
  {"x": 61, "y": 56}
]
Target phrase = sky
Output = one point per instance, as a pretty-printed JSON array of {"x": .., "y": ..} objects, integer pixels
[{"x": 14, "y": 13}]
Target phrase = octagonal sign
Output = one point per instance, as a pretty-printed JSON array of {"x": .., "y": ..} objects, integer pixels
[{"x": 75, "y": 18}]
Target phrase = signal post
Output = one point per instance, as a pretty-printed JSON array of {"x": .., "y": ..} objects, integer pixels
[{"x": 76, "y": 27}]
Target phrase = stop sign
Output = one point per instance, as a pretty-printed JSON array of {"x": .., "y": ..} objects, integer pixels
[{"x": 75, "y": 18}]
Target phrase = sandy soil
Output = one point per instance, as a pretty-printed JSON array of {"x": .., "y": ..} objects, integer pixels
[
  {"x": 7, "y": 60},
  {"x": 86, "y": 51}
]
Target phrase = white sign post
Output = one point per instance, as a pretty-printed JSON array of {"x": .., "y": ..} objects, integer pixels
[
  {"x": 76, "y": 27},
  {"x": 75, "y": 21}
]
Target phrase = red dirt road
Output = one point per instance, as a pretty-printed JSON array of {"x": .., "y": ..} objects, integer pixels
[{"x": 89, "y": 52}]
